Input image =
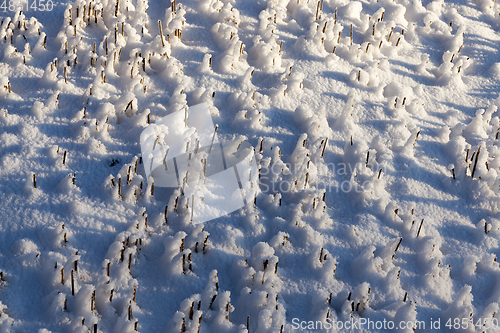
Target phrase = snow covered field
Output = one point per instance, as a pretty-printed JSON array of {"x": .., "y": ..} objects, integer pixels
[{"x": 375, "y": 126}]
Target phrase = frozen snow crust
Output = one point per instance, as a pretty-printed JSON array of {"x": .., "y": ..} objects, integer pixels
[{"x": 374, "y": 126}]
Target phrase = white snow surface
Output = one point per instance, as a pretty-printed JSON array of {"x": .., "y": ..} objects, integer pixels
[{"x": 375, "y": 125}]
